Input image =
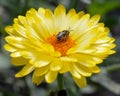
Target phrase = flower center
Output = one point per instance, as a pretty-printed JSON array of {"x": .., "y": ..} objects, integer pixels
[{"x": 62, "y": 46}]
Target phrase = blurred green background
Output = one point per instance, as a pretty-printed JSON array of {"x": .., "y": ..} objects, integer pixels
[{"x": 107, "y": 83}]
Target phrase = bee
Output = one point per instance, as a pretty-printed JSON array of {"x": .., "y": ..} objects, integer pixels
[{"x": 63, "y": 35}]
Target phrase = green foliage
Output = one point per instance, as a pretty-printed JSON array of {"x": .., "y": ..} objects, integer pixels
[
  {"x": 14, "y": 7},
  {"x": 102, "y": 6}
]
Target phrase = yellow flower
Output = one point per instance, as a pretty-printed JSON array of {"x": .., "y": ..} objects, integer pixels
[{"x": 51, "y": 43}]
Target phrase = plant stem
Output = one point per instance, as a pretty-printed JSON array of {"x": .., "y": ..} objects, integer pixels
[{"x": 60, "y": 81}]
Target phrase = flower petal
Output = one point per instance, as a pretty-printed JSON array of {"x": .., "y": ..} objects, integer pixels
[
  {"x": 20, "y": 30},
  {"x": 83, "y": 70},
  {"x": 37, "y": 79},
  {"x": 80, "y": 26},
  {"x": 81, "y": 82},
  {"x": 94, "y": 20},
  {"x": 25, "y": 71},
  {"x": 10, "y": 48},
  {"x": 22, "y": 20},
  {"x": 81, "y": 13},
  {"x": 72, "y": 18},
  {"x": 19, "y": 61},
  {"x": 74, "y": 72},
  {"x": 56, "y": 65},
  {"x": 11, "y": 31},
  {"x": 16, "y": 42},
  {"x": 41, "y": 60},
  {"x": 60, "y": 18},
  {"x": 87, "y": 60},
  {"x": 95, "y": 69},
  {"x": 49, "y": 26},
  {"x": 41, "y": 71},
  {"x": 51, "y": 76},
  {"x": 41, "y": 11},
  {"x": 16, "y": 54},
  {"x": 68, "y": 59},
  {"x": 65, "y": 67}
]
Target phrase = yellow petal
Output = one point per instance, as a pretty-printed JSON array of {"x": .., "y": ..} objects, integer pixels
[
  {"x": 39, "y": 25},
  {"x": 10, "y": 48},
  {"x": 16, "y": 21},
  {"x": 72, "y": 18},
  {"x": 55, "y": 54},
  {"x": 71, "y": 13},
  {"x": 20, "y": 30},
  {"x": 22, "y": 20},
  {"x": 74, "y": 72},
  {"x": 29, "y": 17},
  {"x": 15, "y": 41},
  {"x": 85, "y": 59},
  {"x": 84, "y": 41},
  {"x": 65, "y": 67},
  {"x": 95, "y": 69},
  {"x": 81, "y": 25},
  {"x": 18, "y": 61},
  {"x": 94, "y": 20},
  {"x": 32, "y": 34},
  {"x": 81, "y": 13},
  {"x": 38, "y": 31},
  {"x": 48, "y": 47},
  {"x": 51, "y": 76},
  {"x": 25, "y": 71},
  {"x": 87, "y": 39},
  {"x": 84, "y": 19},
  {"x": 68, "y": 59},
  {"x": 16, "y": 54},
  {"x": 83, "y": 70},
  {"x": 80, "y": 82},
  {"x": 37, "y": 79},
  {"x": 102, "y": 40},
  {"x": 41, "y": 11},
  {"x": 40, "y": 60},
  {"x": 11, "y": 31},
  {"x": 111, "y": 40},
  {"x": 26, "y": 54},
  {"x": 60, "y": 11},
  {"x": 49, "y": 26},
  {"x": 41, "y": 71},
  {"x": 60, "y": 18},
  {"x": 56, "y": 65},
  {"x": 108, "y": 45}
]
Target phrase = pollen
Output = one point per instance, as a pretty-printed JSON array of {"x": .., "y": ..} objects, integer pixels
[{"x": 62, "y": 47}]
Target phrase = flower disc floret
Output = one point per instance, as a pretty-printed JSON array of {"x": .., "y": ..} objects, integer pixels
[{"x": 62, "y": 47}]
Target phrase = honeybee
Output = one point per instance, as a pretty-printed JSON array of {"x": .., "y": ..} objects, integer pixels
[{"x": 63, "y": 35}]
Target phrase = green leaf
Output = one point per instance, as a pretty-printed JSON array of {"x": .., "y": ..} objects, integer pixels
[{"x": 102, "y": 6}]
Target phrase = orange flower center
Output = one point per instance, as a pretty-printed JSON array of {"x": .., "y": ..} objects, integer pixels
[{"x": 63, "y": 46}]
